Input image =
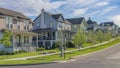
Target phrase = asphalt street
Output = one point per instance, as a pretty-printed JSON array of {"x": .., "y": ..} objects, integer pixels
[{"x": 107, "y": 58}]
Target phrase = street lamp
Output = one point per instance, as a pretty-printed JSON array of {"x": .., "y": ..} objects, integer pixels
[{"x": 61, "y": 47}]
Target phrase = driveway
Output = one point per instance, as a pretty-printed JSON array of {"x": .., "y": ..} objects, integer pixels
[{"x": 107, "y": 58}]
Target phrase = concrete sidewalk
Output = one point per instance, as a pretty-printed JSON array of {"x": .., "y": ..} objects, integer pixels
[{"x": 25, "y": 58}]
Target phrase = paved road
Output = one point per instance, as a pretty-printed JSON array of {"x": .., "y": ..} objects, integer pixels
[{"x": 108, "y": 58}]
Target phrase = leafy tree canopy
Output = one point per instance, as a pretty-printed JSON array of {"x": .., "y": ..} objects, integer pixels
[{"x": 6, "y": 38}]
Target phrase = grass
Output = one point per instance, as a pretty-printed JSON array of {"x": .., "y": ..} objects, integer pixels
[
  {"x": 88, "y": 44},
  {"x": 19, "y": 55},
  {"x": 57, "y": 56}
]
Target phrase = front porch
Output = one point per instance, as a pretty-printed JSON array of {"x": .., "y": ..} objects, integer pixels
[{"x": 22, "y": 41}]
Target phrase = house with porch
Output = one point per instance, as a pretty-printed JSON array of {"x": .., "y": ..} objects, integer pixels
[
  {"x": 110, "y": 26},
  {"x": 21, "y": 27},
  {"x": 51, "y": 28},
  {"x": 92, "y": 25}
]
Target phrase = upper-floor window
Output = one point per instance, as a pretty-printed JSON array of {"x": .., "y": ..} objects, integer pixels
[
  {"x": 18, "y": 25},
  {"x": 26, "y": 25},
  {"x": 50, "y": 24},
  {"x": 38, "y": 24},
  {"x": 9, "y": 22}
]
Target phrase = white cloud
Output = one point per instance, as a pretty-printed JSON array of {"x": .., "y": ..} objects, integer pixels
[
  {"x": 78, "y": 3},
  {"x": 102, "y": 4},
  {"x": 79, "y": 12},
  {"x": 108, "y": 9},
  {"x": 94, "y": 13},
  {"x": 31, "y": 7},
  {"x": 116, "y": 19}
]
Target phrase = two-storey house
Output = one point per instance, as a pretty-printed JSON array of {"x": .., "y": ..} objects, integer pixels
[
  {"x": 110, "y": 26},
  {"x": 20, "y": 26},
  {"x": 92, "y": 25},
  {"x": 77, "y": 24},
  {"x": 50, "y": 28}
]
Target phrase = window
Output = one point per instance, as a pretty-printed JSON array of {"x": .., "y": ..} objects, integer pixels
[
  {"x": 27, "y": 39},
  {"x": 9, "y": 22},
  {"x": 18, "y": 25},
  {"x": 50, "y": 24},
  {"x": 26, "y": 25},
  {"x": 24, "y": 39},
  {"x": 38, "y": 24}
]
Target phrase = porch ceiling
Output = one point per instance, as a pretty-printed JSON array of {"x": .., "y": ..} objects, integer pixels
[{"x": 44, "y": 30}]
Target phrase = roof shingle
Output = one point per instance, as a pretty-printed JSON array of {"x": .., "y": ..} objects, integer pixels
[
  {"x": 8, "y": 12},
  {"x": 75, "y": 20}
]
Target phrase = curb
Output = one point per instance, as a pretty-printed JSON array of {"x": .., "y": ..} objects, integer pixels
[
  {"x": 27, "y": 64},
  {"x": 94, "y": 52}
]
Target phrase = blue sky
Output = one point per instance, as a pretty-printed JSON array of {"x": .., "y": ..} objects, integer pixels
[{"x": 98, "y": 10}]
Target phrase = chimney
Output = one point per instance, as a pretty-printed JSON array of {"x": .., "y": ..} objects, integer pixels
[
  {"x": 42, "y": 10},
  {"x": 42, "y": 18}
]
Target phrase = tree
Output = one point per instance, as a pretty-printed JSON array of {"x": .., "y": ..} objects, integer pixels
[
  {"x": 91, "y": 37},
  {"x": 79, "y": 39},
  {"x": 108, "y": 35},
  {"x": 6, "y": 39},
  {"x": 100, "y": 36}
]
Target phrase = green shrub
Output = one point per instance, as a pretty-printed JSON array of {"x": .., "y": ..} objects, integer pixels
[
  {"x": 56, "y": 44},
  {"x": 70, "y": 45},
  {"x": 41, "y": 49},
  {"x": 2, "y": 52}
]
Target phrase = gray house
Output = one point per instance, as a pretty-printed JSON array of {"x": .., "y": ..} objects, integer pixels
[
  {"x": 77, "y": 24},
  {"x": 50, "y": 28},
  {"x": 110, "y": 26},
  {"x": 92, "y": 25}
]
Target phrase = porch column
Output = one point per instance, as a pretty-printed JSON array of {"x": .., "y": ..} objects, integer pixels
[
  {"x": 56, "y": 35},
  {"x": 51, "y": 43},
  {"x": 37, "y": 43},
  {"x": 13, "y": 45},
  {"x": 44, "y": 43}
]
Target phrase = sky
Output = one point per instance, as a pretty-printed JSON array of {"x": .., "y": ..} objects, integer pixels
[{"x": 98, "y": 10}]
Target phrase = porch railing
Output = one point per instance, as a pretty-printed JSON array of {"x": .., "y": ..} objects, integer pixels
[
  {"x": 46, "y": 38},
  {"x": 25, "y": 46}
]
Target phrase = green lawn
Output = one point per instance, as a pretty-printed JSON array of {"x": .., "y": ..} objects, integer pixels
[
  {"x": 19, "y": 55},
  {"x": 57, "y": 56},
  {"x": 88, "y": 44}
]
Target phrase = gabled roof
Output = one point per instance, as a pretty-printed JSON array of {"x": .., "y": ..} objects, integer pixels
[
  {"x": 56, "y": 16},
  {"x": 66, "y": 21},
  {"x": 8, "y": 12},
  {"x": 107, "y": 24},
  {"x": 91, "y": 22},
  {"x": 76, "y": 20}
]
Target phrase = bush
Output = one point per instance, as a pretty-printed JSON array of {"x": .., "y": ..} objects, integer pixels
[
  {"x": 70, "y": 45},
  {"x": 2, "y": 52},
  {"x": 41, "y": 49},
  {"x": 56, "y": 44}
]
